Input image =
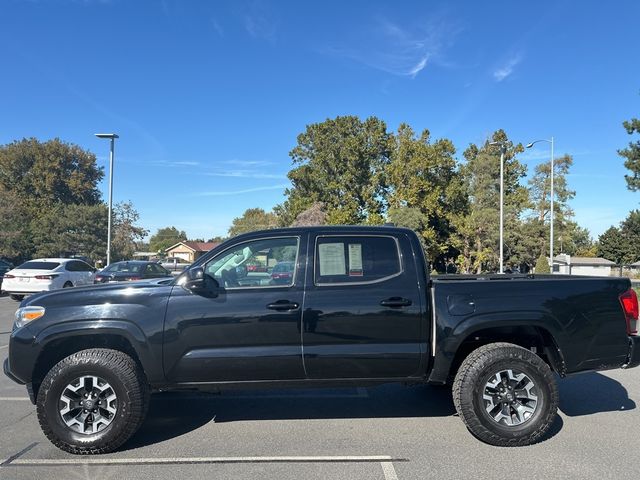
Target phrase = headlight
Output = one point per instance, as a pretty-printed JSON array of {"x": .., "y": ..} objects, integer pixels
[{"x": 25, "y": 315}]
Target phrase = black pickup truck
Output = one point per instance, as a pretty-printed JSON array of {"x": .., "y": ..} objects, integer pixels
[{"x": 348, "y": 306}]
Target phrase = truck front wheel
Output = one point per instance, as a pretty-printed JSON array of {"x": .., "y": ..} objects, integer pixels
[
  {"x": 92, "y": 401},
  {"x": 505, "y": 395}
]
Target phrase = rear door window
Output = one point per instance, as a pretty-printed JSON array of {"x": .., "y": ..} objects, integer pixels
[{"x": 355, "y": 259}]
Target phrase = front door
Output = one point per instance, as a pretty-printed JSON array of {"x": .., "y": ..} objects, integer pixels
[
  {"x": 362, "y": 312},
  {"x": 251, "y": 329}
]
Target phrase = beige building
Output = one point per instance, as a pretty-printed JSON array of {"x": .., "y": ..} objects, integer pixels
[
  {"x": 189, "y": 251},
  {"x": 593, "y": 267}
]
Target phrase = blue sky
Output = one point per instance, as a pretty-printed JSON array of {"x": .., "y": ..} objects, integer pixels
[{"x": 208, "y": 97}]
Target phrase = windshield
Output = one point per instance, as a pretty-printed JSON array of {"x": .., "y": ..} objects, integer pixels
[
  {"x": 124, "y": 267},
  {"x": 39, "y": 265}
]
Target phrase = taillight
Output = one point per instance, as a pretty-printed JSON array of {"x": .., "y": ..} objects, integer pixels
[
  {"x": 135, "y": 278},
  {"x": 6, "y": 275},
  {"x": 45, "y": 277},
  {"x": 629, "y": 301}
]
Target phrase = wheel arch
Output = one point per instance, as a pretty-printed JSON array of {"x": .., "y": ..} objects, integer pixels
[
  {"x": 58, "y": 347},
  {"x": 532, "y": 337}
]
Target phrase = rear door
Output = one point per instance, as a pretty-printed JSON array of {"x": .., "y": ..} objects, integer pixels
[{"x": 362, "y": 311}]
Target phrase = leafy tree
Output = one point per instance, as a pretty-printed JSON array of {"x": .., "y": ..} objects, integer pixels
[
  {"x": 165, "y": 238},
  {"x": 339, "y": 162},
  {"x": 14, "y": 228},
  {"x": 65, "y": 230},
  {"x": 126, "y": 234},
  {"x": 425, "y": 190},
  {"x": 632, "y": 155},
  {"x": 477, "y": 233},
  {"x": 314, "y": 215},
  {"x": 612, "y": 245},
  {"x": 542, "y": 265},
  {"x": 217, "y": 239},
  {"x": 41, "y": 174},
  {"x": 620, "y": 245},
  {"x": 253, "y": 219}
]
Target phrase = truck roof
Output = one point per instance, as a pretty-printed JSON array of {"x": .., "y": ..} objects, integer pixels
[{"x": 337, "y": 229}]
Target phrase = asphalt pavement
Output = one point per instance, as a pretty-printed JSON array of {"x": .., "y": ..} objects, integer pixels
[{"x": 387, "y": 433}]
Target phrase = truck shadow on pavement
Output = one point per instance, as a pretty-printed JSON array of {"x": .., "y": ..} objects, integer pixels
[
  {"x": 589, "y": 393},
  {"x": 173, "y": 414}
]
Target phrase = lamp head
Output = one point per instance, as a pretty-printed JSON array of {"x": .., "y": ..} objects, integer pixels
[{"x": 107, "y": 135}]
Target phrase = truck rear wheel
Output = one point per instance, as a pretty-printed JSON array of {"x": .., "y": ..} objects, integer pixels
[
  {"x": 92, "y": 401},
  {"x": 506, "y": 395}
]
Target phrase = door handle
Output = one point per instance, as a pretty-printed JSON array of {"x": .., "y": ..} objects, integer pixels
[
  {"x": 395, "y": 302},
  {"x": 282, "y": 305}
]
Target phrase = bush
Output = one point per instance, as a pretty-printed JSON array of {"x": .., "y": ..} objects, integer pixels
[{"x": 542, "y": 265}]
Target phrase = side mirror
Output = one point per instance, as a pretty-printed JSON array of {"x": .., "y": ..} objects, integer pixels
[{"x": 199, "y": 282}]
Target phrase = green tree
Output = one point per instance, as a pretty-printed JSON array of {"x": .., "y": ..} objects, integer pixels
[
  {"x": 612, "y": 245},
  {"x": 126, "y": 234},
  {"x": 41, "y": 174},
  {"x": 632, "y": 155},
  {"x": 166, "y": 237},
  {"x": 253, "y": 219},
  {"x": 217, "y": 239},
  {"x": 65, "y": 230},
  {"x": 14, "y": 228},
  {"x": 339, "y": 162},
  {"x": 477, "y": 232},
  {"x": 569, "y": 236},
  {"x": 542, "y": 265},
  {"x": 426, "y": 191}
]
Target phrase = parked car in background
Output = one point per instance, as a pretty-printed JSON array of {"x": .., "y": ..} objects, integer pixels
[
  {"x": 5, "y": 266},
  {"x": 174, "y": 264},
  {"x": 282, "y": 272},
  {"x": 45, "y": 274},
  {"x": 130, "y": 271}
]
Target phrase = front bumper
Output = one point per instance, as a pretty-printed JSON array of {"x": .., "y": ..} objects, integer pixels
[
  {"x": 7, "y": 372},
  {"x": 633, "y": 357}
]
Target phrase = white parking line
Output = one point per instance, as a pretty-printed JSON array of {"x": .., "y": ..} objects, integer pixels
[
  {"x": 3, "y": 346},
  {"x": 388, "y": 471},
  {"x": 14, "y": 399},
  {"x": 385, "y": 460}
]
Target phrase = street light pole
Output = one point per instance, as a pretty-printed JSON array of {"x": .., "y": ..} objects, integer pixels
[
  {"x": 112, "y": 137},
  {"x": 551, "y": 213},
  {"x": 502, "y": 150},
  {"x": 553, "y": 167}
]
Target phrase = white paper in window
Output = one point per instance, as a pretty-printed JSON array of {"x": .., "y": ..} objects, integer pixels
[
  {"x": 355, "y": 260},
  {"x": 332, "y": 259}
]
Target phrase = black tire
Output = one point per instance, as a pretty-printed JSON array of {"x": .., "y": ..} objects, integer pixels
[
  {"x": 67, "y": 285},
  {"x": 480, "y": 367},
  {"x": 129, "y": 385},
  {"x": 17, "y": 298}
]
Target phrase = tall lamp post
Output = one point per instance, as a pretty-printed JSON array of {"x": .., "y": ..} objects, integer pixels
[
  {"x": 550, "y": 141},
  {"x": 112, "y": 137},
  {"x": 502, "y": 151}
]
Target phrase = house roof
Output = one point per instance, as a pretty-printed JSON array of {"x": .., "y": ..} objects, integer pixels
[
  {"x": 584, "y": 261},
  {"x": 195, "y": 246}
]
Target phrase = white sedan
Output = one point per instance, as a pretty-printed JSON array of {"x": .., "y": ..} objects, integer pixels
[{"x": 46, "y": 274}]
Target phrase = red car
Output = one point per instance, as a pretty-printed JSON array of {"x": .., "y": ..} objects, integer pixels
[{"x": 283, "y": 273}]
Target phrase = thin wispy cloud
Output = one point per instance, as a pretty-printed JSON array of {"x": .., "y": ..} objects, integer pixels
[
  {"x": 261, "y": 22},
  {"x": 217, "y": 27},
  {"x": 173, "y": 163},
  {"x": 507, "y": 68},
  {"x": 244, "y": 174},
  {"x": 247, "y": 163},
  {"x": 217, "y": 193},
  {"x": 403, "y": 50}
]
